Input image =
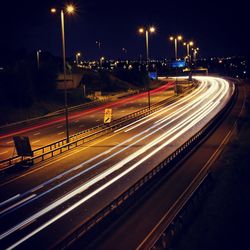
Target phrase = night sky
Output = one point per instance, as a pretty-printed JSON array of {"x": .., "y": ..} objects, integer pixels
[{"x": 219, "y": 28}]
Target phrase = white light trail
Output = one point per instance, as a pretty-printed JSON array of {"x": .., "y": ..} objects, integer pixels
[{"x": 182, "y": 126}]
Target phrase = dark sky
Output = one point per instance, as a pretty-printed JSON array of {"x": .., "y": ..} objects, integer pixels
[{"x": 219, "y": 27}]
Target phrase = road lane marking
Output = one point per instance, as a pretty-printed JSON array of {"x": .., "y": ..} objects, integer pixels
[
  {"x": 38, "y": 133},
  {"x": 4, "y": 152},
  {"x": 60, "y": 126},
  {"x": 61, "y": 133},
  {"x": 35, "y": 141},
  {"x": 9, "y": 142}
]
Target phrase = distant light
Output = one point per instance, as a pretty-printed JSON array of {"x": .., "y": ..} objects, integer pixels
[
  {"x": 53, "y": 10},
  {"x": 191, "y": 43},
  {"x": 179, "y": 38},
  {"x": 171, "y": 38},
  {"x": 141, "y": 30},
  {"x": 78, "y": 54},
  {"x": 152, "y": 29},
  {"x": 244, "y": 72},
  {"x": 70, "y": 9}
]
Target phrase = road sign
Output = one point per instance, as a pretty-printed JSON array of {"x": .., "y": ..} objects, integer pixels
[
  {"x": 107, "y": 115},
  {"x": 22, "y": 144}
]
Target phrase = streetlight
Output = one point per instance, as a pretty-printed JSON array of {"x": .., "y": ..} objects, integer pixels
[
  {"x": 195, "y": 52},
  {"x": 176, "y": 39},
  {"x": 101, "y": 60},
  {"x": 38, "y": 58},
  {"x": 147, "y": 31},
  {"x": 188, "y": 44},
  {"x": 98, "y": 43},
  {"x": 70, "y": 10},
  {"x": 78, "y": 54}
]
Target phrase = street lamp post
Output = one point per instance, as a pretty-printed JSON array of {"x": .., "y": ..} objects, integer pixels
[
  {"x": 195, "y": 52},
  {"x": 78, "y": 54},
  {"x": 176, "y": 39},
  {"x": 147, "y": 31},
  {"x": 188, "y": 44},
  {"x": 70, "y": 9},
  {"x": 38, "y": 59}
]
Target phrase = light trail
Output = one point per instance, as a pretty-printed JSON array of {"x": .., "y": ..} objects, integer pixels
[
  {"x": 85, "y": 112},
  {"x": 100, "y": 155},
  {"x": 183, "y": 126},
  {"x": 81, "y": 165},
  {"x": 161, "y": 111},
  {"x": 204, "y": 111}
]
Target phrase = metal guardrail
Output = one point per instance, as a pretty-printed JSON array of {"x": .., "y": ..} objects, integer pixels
[
  {"x": 61, "y": 146},
  {"x": 166, "y": 165}
]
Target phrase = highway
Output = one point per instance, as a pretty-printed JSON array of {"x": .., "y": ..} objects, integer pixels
[
  {"x": 59, "y": 194},
  {"x": 49, "y": 129}
]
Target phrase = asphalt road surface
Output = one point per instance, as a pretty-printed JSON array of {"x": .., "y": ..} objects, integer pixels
[
  {"x": 54, "y": 197},
  {"x": 50, "y": 129}
]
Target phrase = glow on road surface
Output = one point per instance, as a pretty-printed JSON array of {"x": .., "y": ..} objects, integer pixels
[
  {"x": 208, "y": 97},
  {"x": 89, "y": 111}
]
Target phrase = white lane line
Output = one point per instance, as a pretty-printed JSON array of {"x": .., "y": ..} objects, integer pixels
[
  {"x": 60, "y": 133},
  {"x": 97, "y": 120},
  {"x": 10, "y": 199},
  {"x": 9, "y": 142},
  {"x": 18, "y": 203},
  {"x": 60, "y": 126},
  {"x": 38, "y": 133},
  {"x": 4, "y": 152},
  {"x": 35, "y": 141},
  {"x": 76, "y": 121}
]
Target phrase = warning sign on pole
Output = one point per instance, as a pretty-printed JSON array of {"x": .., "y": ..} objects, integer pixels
[{"x": 107, "y": 115}]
